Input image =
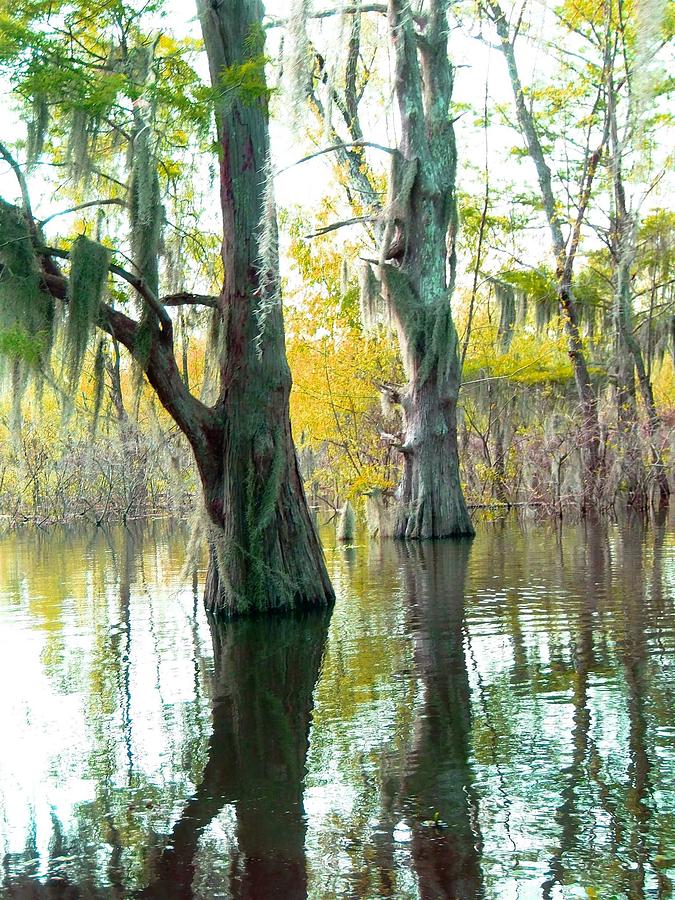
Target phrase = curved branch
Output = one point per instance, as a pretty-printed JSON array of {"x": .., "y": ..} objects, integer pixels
[
  {"x": 334, "y": 226},
  {"x": 23, "y": 186},
  {"x": 112, "y": 201},
  {"x": 196, "y": 420},
  {"x": 336, "y": 147},
  {"x": 275, "y": 22}
]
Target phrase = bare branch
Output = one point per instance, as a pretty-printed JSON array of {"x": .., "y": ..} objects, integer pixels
[
  {"x": 185, "y": 298},
  {"x": 23, "y": 186},
  {"x": 335, "y": 225},
  {"x": 276, "y": 22},
  {"x": 113, "y": 201},
  {"x": 337, "y": 147}
]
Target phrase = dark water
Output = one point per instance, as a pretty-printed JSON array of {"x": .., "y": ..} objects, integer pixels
[{"x": 491, "y": 720}]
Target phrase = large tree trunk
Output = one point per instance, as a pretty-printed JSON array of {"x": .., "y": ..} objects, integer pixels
[
  {"x": 431, "y": 503},
  {"x": 265, "y": 553},
  {"x": 417, "y": 263}
]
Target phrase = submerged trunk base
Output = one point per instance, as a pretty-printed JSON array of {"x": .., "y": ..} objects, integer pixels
[
  {"x": 224, "y": 605},
  {"x": 431, "y": 502},
  {"x": 264, "y": 554}
]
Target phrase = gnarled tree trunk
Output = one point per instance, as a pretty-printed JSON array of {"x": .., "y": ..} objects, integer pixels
[
  {"x": 417, "y": 263},
  {"x": 265, "y": 553}
]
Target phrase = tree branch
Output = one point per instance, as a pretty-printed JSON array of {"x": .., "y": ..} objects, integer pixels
[
  {"x": 276, "y": 22},
  {"x": 194, "y": 418},
  {"x": 337, "y": 147},
  {"x": 184, "y": 298},
  {"x": 23, "y": 186},
  {"x": 335, "y": 225},
  {"x": 113, "y": 201}
]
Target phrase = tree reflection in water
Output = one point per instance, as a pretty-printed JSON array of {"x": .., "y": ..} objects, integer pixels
[
  {"x": 265, "y": 674},
  {"x": 437, "y": 782},
  {"x": 490, "y": 718}
]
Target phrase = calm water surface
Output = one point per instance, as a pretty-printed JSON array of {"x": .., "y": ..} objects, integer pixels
[{"x": 475, "y": 720}]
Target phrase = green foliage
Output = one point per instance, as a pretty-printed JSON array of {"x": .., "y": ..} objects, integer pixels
[
  {"x": 89, "y": 262},
  {"x": 245, "y": 81}
]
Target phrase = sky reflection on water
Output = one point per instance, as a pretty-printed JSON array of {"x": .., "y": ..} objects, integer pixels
[{"x": 489, "y": 719}]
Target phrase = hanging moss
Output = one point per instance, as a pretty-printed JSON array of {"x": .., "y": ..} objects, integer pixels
[
  {"x": 296, "y": 63},
  {"x": 269, "y": 290},
  {"x": 26, "y": 312},
  {"x": 521, "y": 307},
  {"x": 37, "y": 129},
  {"x": 78, "y": 151},
  {"x": 439, "y": 344},
  {"x": 344, "y": 276},
  {"x": 213, "y": 357},
  {"x": 146, "y": 212},
  {"x": 141, "y": 352},
  {"x": 658, "y": 340},
  {"x": 506, "y": 298},
  {"x": 369, "y": 297},
  {"x": 544, "y": 311},
  {"x": 99, "y": 384},
  {"x": 89, "y": 262},
  {"x": 534, "y": 287}
]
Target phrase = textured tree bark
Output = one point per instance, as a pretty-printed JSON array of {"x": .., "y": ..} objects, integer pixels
[
  {"x": 265, "y": 553},
  {"x": 431, "y": 503},
  {"x": 417, "y": 272}
]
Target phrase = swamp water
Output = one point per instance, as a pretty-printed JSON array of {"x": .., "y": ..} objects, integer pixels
[{"x": 491, "y": 719}]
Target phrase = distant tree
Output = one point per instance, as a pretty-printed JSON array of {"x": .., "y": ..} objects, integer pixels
[{"x": 564, "y": 241}]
